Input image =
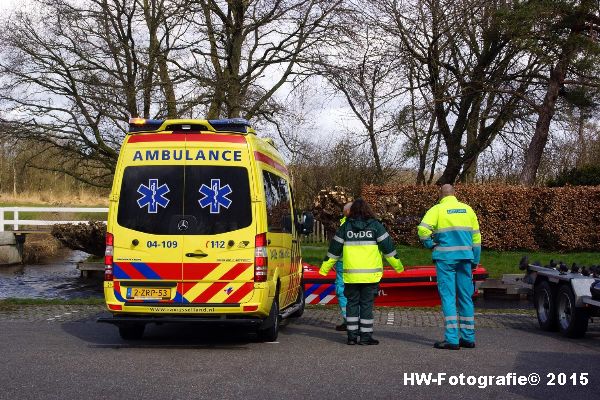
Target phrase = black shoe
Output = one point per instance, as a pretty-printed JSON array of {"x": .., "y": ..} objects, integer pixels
[
  {"x": 352, "y": 342},
  {"x": 466, "y": 344},
  {"x": 446, "y": 346},
  {"x": 341, "y": 327},
  {"x": 369, "y": 342}
]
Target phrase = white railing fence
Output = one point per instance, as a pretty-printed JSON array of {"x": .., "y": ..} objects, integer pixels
[{"x": 17, "y": 222}]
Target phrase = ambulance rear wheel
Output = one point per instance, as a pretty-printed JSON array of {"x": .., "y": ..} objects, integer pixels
[
  {"x": 572, "y": 320},
  {"x": 133, "y": 331},
  {"x": 545, "y": 305},
  {"x": 271, "y": 330},
  {"x": 299, "y": 300}
]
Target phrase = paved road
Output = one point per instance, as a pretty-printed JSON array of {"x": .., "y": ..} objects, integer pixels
[{"x": 61, "y": 353}]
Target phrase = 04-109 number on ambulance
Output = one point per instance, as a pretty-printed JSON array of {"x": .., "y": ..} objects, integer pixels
[{"x": 165, "y": 244}]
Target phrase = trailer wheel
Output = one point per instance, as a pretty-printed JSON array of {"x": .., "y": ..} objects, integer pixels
[
  {"x": 545, "y": 306},
  {"x": 572, "y": 320},
  {"x": 131, "y": 331}
]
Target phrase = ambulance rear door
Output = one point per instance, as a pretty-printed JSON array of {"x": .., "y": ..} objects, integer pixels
[
  {"x": 148, "y": 240},
  {"x": 218, "y": 245}
]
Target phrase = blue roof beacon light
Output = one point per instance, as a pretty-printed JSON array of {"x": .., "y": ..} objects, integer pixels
[
  {"x": 144, "y": 125},
  {"x": 230, "y": 125}
]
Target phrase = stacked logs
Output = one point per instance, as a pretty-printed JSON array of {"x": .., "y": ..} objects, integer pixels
[
  {"x": 87, "y": 237},
  {"x": 328, "y": 207}
]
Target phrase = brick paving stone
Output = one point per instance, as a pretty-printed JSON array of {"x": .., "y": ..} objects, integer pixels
[{"x": 315, "y": 316}]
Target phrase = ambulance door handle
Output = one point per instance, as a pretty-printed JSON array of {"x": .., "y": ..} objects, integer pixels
[{"x": 196, "y": 254}]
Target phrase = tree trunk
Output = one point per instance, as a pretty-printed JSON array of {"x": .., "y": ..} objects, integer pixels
[
  {"x": 436, "y": 154},
  {"x": 581, "y": 140},
  {"x": 167, "y": 86},
  {"x": 378, "y": 167},
  {"x": 536, "y": 148},
  {"x": 15, "y": 179},
  {"x": 455, "y": 160}
]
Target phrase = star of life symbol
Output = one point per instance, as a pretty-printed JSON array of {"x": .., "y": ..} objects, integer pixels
[
  {"x": 153, "y": 196},
  {"x": 215, "y": 196}
]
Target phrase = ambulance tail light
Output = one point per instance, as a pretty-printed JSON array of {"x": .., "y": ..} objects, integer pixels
[
  {"x": 261, "y": 258},
  {"x": 108, "y": 257}
]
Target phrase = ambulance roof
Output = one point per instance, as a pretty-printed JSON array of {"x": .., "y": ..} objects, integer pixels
[{"x": 232, "y": 125}]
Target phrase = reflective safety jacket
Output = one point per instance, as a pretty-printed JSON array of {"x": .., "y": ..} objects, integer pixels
[
  {"x": 451, "y": 229},
  {"x": 361, "y": 244}
]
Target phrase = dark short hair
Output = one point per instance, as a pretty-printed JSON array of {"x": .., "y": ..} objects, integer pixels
[{"x": 361, "y": 210}]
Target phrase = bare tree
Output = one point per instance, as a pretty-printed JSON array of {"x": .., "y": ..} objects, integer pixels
[
  {"x": 416, "y": 121},
  {"x": 363, "y": 70},
  {"x": 245, "y": 51},
  {"x": 476, "y": 76},
  {"x": 570, "y": 32},
  {"x": 73, "y": 74}
]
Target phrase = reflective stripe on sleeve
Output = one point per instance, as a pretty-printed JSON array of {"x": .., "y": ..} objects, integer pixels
[
  {"x": 425, "y": 237},
  {"x": 454, "y": 228},
  {"x": 383, "y": 237},
  {"x": 363, "y": 271},
  {"x": 476, "y": 244},
  {"x": 453, "y": 248},
  {"x": 332, "y": 256},
  {"x": 424, "y": 225},
  {"x": 476, "y": 231},
  {"x": 361, "y": 243},
  {"x": 338, "y": 239},
  {"x": 392, "y": 254}
]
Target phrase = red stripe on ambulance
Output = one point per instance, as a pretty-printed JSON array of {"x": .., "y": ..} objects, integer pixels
[
  {"x": 131, "y": 271},
  {"x": 212, "y": 290},
  {"x": 198, "y": 271},
  {"x": 240, "y": 293},
  {"x": 234, "y": 272},
  {"x": 182, "y": 137},
  {"x": 170, "y": 271},
  {"x": 269, "y": 161}
]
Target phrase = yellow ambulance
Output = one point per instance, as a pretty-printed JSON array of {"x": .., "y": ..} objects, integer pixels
[{"x": 202, "y": 228}]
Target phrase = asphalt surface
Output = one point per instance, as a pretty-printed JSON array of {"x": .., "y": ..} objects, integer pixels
[{"x": 62, "y": 353}]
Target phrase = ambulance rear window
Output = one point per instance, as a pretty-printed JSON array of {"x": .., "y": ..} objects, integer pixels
[{"x": 185, "y": 200}]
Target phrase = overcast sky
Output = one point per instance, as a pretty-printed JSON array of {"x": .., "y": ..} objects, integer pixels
[{"x": 331, "y": 117}]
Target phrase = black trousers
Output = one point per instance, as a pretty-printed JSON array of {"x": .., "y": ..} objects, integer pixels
[{"x": 359, "y": 310}]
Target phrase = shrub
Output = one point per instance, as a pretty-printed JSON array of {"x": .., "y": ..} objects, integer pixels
[{"x": 510, "y": 217}]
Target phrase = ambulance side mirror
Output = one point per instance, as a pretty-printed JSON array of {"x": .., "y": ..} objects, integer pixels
[{"x": 307, "y": 220}]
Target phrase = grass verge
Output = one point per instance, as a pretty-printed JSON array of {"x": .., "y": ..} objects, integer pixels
[
  {"x": 44, "y": 302},
  {"x": 497, "y": 263}
]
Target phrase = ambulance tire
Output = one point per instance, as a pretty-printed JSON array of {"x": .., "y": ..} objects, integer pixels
[
  {"x": 271, "y": 331},
  {"x": 133, "y": 331},
  {"x": 299, "y": 300},
  {"x": 544, "y": 296},
  {"x": 572, "y": 320}
]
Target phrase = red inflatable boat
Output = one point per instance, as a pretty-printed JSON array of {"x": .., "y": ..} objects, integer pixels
[{"x": 415, "y": 287}]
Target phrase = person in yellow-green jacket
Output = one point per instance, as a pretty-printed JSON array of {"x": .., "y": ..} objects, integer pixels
[
  {"x": 451, "y": 230},
  {"x": 360, "y": 241}
]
